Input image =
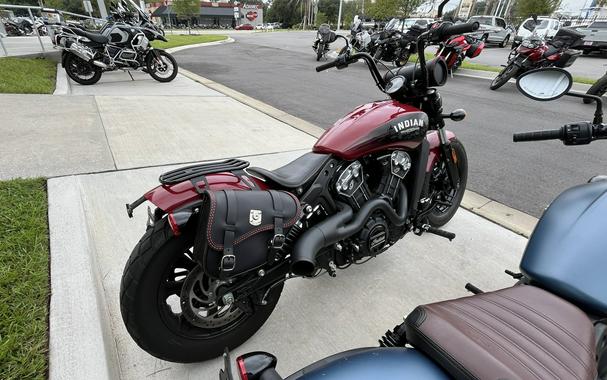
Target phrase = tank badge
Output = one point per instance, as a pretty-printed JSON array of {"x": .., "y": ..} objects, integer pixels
[{"x": 407, "y": 126}]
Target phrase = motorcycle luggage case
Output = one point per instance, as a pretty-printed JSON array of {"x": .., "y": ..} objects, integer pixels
[
  {"x": 567, "y": 58},
  {"x": 238, "y": 230},
  {"x": 567, "y": 37},
  {"x": 475, "y": 49}
]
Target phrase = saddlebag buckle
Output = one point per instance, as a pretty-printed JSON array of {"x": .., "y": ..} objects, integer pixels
[
  {"x": 228, "y": 263},
  {"x": 278, "y": 241}
]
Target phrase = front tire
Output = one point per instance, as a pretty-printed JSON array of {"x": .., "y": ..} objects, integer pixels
[
  {"x": 504, "y": 76},
  {"x": 81, "y": 71},
  {"x": 598, "y": 88},
  {"x": 447, "y": 200},
  {"x": 161, "y": 66},
  {"x": 319, "y": 51},
  {"x": 504, "y": 43},
  {"x": 153, "y": 281}
]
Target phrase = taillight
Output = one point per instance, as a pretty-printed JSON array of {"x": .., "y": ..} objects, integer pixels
[{"x": 242, "y": 369}]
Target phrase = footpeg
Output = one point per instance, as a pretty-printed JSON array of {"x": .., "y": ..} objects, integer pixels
[
  {"x": 439, "y": 232},
  {"x": 473, "y": 289}
]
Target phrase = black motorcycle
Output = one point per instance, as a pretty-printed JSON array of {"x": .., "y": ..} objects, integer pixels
[
  {"x": 122, "y": 45},
  {"x": 324, "y": 37},
  {"x": 394, "y": 45}
]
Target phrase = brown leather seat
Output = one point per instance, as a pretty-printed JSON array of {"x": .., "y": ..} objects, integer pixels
[{"x": 521, "y": 332}]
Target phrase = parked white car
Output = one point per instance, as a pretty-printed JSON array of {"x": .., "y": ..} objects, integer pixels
[
  {"x": 545, "y": 27},
  {"x": 407, "y": 23}
]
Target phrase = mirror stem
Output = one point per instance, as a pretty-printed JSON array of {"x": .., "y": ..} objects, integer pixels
[{"x": 598, "y": 114}]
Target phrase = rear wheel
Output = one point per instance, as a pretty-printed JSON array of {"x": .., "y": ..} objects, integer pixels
[
  {"x": 446, "y": 198},
  {"x": 81, "y": 71},
  {"x": 168, "y": 303},
  {"x": 598, "y": 88},
  {"x": 503, "y": 76},
  {"x": 161, "y": 65}
]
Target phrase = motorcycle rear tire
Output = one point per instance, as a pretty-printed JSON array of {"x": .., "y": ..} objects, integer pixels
[
  {"x": 149, "y": 61},
  {"x": 503, "y": 77},
  {"x": 145, "y": 317},
  {"x": 68, "y": 63},
  {"x": 598, "y": 88},
  {"x": 438, "y": 218}
]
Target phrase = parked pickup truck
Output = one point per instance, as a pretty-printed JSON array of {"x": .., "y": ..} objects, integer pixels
[
  {"x": 495, "y": 28},
  {"x": 595, "y": 37}
]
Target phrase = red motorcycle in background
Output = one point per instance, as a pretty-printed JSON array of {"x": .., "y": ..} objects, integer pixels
[
  {"x": 457, "y": 48},
  {"x": 534, "y": 52}
]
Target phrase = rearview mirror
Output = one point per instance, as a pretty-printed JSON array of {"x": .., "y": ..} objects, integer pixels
[{"x": 545, "y": 84}]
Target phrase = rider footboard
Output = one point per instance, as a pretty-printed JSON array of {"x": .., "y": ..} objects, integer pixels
[{"x": 195, "y": 171}]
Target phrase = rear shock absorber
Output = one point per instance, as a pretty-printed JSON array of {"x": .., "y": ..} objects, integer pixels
[{"x": 394, "y": 338}]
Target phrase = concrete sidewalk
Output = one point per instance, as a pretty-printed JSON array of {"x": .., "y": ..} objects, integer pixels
[{"x": 105, "y": 145}]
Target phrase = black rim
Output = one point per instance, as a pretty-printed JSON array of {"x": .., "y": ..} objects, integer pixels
[
  {"x": 185, "y": 303},
  {"x": 162, "y": 66},
  {"x": 81, "y": 69}
]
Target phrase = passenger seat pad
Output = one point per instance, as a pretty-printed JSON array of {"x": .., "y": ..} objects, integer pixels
[{"x": 522, "y": 332}]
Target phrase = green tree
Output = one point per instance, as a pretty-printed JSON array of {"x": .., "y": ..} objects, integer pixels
[
  {"x": 284, "y": 12},
  {"x": 321, "y": 18},
  {"x": 527, "y": 8},
  {"x": 186, "y": 9},
  {"x": 386, "y": 9},
  {"x": 330, "y": 8}
]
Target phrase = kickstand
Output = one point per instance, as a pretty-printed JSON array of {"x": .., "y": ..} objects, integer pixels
[{"x": 129, "y": 72}]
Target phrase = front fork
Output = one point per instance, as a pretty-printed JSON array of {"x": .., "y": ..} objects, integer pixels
[{"x": 448, "y": 157}]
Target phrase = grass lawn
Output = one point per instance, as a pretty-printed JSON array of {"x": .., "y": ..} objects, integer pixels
[
  {"x": 24, "y": 279},
  {"x": 185, "y": 39},
  {"x": 27, "y": 76}
]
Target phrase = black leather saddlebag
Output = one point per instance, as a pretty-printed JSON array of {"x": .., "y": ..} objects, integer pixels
[{"x": 240, "y": 230}]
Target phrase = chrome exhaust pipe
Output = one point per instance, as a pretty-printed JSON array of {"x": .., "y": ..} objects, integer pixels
[
  {"x": 100, "y": 64},
  {"x": 81, "y": 51}
]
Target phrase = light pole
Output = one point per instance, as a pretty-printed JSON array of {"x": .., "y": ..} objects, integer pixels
[{"x": 339, "y": 15}]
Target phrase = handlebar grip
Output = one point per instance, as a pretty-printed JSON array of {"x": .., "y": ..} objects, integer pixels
[
  {"x": 326, "y": 66},
  {"x": 552, "y": 134},
  {"x": 450, "y": 30}
]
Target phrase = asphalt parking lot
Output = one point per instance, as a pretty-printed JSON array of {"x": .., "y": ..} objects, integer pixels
[{"x": 278, "y": 68}]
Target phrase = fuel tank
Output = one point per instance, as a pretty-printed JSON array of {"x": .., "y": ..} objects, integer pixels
[
  {"x": 567, "y": 252},
  {"x": 373, "y": 363},
  {"x": 373, "y": 127}
]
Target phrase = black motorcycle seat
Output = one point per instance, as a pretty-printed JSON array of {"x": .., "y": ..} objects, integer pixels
[
  {"x": 522, "y": 332},
  {"x": 95, "y": 37},
  {"x": 294, "y": 174}
]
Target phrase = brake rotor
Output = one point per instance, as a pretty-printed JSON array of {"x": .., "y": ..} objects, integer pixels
[{"x": 199, "y": 303}]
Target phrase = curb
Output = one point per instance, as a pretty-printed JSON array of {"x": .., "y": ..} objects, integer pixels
[
  {"x": 62, "y": 84},
  {"x": 228, "y": 40},
  {"x": 507, "y": 217},
  {"x": 79, "y": 325}
]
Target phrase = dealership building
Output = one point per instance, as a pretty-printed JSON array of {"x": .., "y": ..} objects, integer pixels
[{"x": 215, "y": 14}]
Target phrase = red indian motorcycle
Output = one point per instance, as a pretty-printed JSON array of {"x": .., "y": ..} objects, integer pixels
[
  {"x": 224, "y": 236},
  {"x": 534, "y": 53},
  {"x": 455, "y": 49}
]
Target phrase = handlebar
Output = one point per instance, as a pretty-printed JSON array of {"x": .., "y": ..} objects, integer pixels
[
  {"x": 326, "y": 66},
  {"x": 551, "y": 134},
  {"x": 447, "y": 30},
  {"x": 571, "y": 134}
]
